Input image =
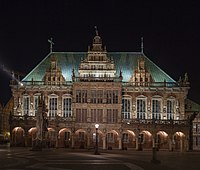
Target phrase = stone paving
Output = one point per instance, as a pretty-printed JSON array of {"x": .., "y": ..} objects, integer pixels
[{"x": 68, "y": 159}]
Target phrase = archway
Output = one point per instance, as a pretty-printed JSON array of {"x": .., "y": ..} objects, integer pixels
[
  {"x": 128, "y": 139},
  {"x": 162, "y": 140},
  {"x": 179, "y": 141},
  {"x": 145, "y": 140},
  {"x": 32, "y": 133},
  {"x": 112, "y": 139},
  {"x": 93, "y": 138},
  {"x": 64, "y": 136},
  {"x": 80, "y": 139},
  {"x": 18, "y": 138},
  {"x": 51, "y": 138}
]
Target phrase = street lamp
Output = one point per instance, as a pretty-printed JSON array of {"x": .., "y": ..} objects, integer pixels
[{"x": 96, "y": 152}]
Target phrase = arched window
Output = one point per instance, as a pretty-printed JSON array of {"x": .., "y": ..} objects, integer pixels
[
  {"x": 126, "y": 107},
  {"x": 35, "y": 103},
  {"x": 26, "y": 104},
  {"x": 67, "y": 106},
  {"x": 141, "y": 107},
  {"x": 53, "y": 105},
  {"x": 156, "y": 108},
  {"x": 170, "y": 108}
]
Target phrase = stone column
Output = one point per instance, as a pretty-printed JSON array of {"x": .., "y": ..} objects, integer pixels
[
  {"x": 88, "y": 140},
  {"x": 136, "y": 143},
  {"x": 72, "y": 140},
  {"x": 153, "y": 141},
  {"x": 181, "y": 145},
  {"x": 25, "y": 137},
  {"x": 170, "y": 144},
  {"x": 120, "y": 142},
  {"x": 104, "y": 142}
]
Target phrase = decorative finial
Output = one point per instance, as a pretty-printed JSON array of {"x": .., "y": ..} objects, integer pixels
[
  {"x": 120, "y": 73},
  {"x": 142, "y": 45},
  {"x": 51, "y": 44},
  {"x": 95, "y": 27},
  {"x": 73, "y": 74},
  {"x": 186, "y": 78}
]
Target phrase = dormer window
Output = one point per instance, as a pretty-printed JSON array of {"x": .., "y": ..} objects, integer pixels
[
  {"x": 141, "y": 76},
  {"x": 53, "y": 75}
]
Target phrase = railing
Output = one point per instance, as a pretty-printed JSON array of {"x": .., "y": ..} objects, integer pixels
[
  {"x": 96, "y": 79},
  {"x": 124, "y": 121},
  {"x": 150, "y": 84},
  {"x": 99, "y": 79},
  {"x": 153, "y": 121},
  {"x": 26, "y": 117},
  {"x": 39, "y": 83}
]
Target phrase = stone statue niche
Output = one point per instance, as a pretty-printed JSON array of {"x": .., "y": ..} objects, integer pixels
[{"x": 42, "y": 126}]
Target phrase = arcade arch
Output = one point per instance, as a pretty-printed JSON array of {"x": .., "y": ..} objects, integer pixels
[{"x": 18, "y": 135}]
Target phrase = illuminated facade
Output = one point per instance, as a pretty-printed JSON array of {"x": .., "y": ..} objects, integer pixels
[
  {"x": 1, "y": 122},
  {"x": 135, "y": 103},
  {"x": 4, "y": 121},
  {"x": 194, "y": 108}
]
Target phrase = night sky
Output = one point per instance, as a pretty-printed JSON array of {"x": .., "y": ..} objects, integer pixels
[{"x": 171, "y": 33}]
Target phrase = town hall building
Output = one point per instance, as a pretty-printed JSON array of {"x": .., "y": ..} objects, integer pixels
[{"x": 134, "y": 102}]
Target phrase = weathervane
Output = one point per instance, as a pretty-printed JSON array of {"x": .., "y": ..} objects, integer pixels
[{"x": 51, "y": 44}]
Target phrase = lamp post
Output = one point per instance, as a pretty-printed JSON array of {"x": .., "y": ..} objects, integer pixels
[
  {"x": 96, "y": 152},
  {"x": 154, "y": 148}
]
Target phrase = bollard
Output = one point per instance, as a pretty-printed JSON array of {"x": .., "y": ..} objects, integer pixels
[{"x": 154, "y": 156}]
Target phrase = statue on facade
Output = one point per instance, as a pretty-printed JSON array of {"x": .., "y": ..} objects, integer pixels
[{"x": 41, "y": 125}]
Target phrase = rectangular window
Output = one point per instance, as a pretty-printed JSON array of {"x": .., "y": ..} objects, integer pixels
[
  {"x": 96, "y": 115},
  {"x": 67, "y": 136},
  {"x": 99, "y": 96},
  {"x": 53, "y": 106},
  {"x": 115, "y": 96},
  {"x": 67, "y": 108},
  {"x": 110, "y": 137},
  {"x": 84, "y": 96},
  {"x": 78, "y": 96},
  {"x": 141, "y": 108},
  {"x": 99, "y": 115},
  {"x": 109, "y": 96},
  {"x": 93, "y": 96},
  {"x": 81, "y": 136},
  {"x": 125, "y": 137},
  {"x": 81, "y": 96},
  {"x": 93, "y": 115},
  {"x": 115, "y": 113},
  {"x": 112, "y": 115},
  {"x": 81, "y": 115}
]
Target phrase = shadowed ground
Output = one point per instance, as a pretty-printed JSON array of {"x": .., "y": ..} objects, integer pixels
[{"x": 67, "y": 159}]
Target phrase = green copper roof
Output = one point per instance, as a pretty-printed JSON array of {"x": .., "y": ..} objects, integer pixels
[
  {"x": 191, "y": 106},
  {"x": 124, "y": 61}
]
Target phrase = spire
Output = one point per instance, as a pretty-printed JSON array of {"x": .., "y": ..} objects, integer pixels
[
  {"x": 142, "y": 45},
  {"x": 97, "y": 42},
  {"x": 96, "y": 31}
]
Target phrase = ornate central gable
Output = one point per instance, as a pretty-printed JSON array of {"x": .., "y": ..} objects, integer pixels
[{"x": 97, "y": 65}]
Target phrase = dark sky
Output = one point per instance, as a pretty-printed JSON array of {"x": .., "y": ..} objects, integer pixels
[{"x": 171, "y": 32}]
